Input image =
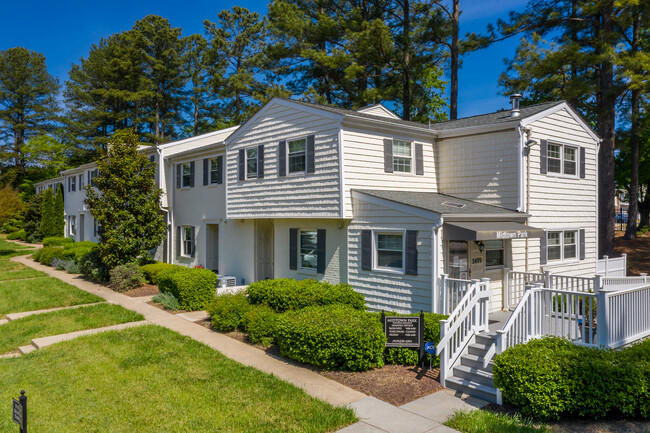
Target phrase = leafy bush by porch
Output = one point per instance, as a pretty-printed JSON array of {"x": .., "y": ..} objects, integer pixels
[
  {"x": 194, "y": 288},
  {"x": 552, "y": 377},
  {"x": 332, "y": 336},
  {"x": 288, "y": 294}
]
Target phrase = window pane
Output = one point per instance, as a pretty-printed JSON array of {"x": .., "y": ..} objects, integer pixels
[
  {"x": 554, "y": 151},
  {"x": 554, "y": 253},
  {"x": 389, "y": 242},
  {"x": 389, "y": 250},
  {"x": 569, "y": 238},
  {"x": 570, "y": 154},
  {"x": 570, "y": 245},
  {"x": 297, "y": 163},
  {"x": 402, "y": 164},
  {"x": 297, "y": 146},
  {"x": 493, "y": 258},
  {"x": 494, "y": 244},
  {"x": 251, "y": 163},
  {"x": 553, "y": 238},
  {"x": 401, "y": 148},
  {"x": 569, "y": 252},
  {"x": 308, "y": 255},
  {"x": 213, "y": 171},
  {"x": 389, "y": 259}
]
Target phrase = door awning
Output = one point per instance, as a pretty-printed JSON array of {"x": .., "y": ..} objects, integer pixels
[{"x": 481, "y": 231}]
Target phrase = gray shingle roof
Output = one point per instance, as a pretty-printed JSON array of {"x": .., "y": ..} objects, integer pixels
[
  {"x": 494, "y": 118},
  {"x": 440, "y": 203}
]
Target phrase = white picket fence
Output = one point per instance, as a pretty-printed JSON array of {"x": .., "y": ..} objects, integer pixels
[
  {"x": 516, "y": 283},
  {"x": 624, "y": 282},
  {"x": 453, "y": 290},
  {"x": 612, "y": 267}
]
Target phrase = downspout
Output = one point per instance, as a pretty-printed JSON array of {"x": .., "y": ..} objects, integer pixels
[
  {"x": 528, "y": 131},
  {"x": 435, "y": 262},
  {"x": 161, "y": 167}
]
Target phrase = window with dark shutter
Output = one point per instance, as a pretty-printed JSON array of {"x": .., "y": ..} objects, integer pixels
[
  {"x": 219, "y": 170},
  {"x": 311, "y": 158},
  {"x": 411, "y": 253},
  {"x": 179, "y": 240},
  {"x": 419, "y": 160},
  {"x": 178, "y": 175},
  {"x": 193, "y": 241},
  {"x": 582, "y": 244},
  {"x": 242, "y": 164},
  {"x": 260, "y": 161},
  {"x": 388, "y": 155},
  {"x": 293, "y": 249},
  {"x": 542, "y": 250},
  {"x": 582, "y": 162},
  {"x": 321, "y": 261},
  {"x": 192, "y": 174},
  {"x": 543, "y": 156},
  {"x": 282, "y": 158},
  {"x": 206, "y": 171},
  {"x": 366, "y": 250}
]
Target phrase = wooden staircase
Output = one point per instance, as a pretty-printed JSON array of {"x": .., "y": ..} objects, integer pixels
[{"x": 469, "y": 377}]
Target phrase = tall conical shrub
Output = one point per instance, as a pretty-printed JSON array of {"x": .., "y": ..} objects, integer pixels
[
  {"x": 48, "y": 220},
  {"x": 59, "y": 212}
]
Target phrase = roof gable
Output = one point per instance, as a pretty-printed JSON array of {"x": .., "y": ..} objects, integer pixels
[{"x": 378, "y": 110}]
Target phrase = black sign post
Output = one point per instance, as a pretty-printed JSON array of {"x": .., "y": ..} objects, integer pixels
[
  {"x": 405, "y": 331},
  {"x": 19, "y": 412}
]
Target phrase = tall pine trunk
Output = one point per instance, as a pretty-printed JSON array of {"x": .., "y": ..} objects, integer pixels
[
  {"x": 630, "y": 229},
  {"x": 453, "y": 97},
  {"x": 406, "y": 78}
]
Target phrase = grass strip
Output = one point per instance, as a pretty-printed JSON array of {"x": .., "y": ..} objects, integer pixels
[
  {"x": 6, "y": 265},
  {"x": 40, "y": 293},
  {"x": 482, "y": 421},
  {"x": 150, "y": 379},
  {"x": 21, "y": 274},
  {"x": 20, "y": 332}
]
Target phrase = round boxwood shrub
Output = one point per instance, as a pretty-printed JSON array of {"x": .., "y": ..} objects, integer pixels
[
  {"x": 335, "y": 337},
  {"x": 227, "y": 311},
  {"x": 193, "y": 288},
  {"x": 126, "y": 277},
  {"x": 56, "y": 241},
  {"x": 152, "y": 270},
  {"x": 288, "y": 294},
  {"x": 260, "y": 323},
  {"x": 47, "y": 254}
]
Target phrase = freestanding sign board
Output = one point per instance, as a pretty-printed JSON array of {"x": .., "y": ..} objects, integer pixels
[
  {"x": 405, "y": 331},
  {"x": 17, "y": 413}
]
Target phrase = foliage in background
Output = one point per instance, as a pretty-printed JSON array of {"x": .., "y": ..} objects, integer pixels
[
  {"x": 48, "y": 215},
  {"x": 59, "y": 213},
  {"x": 32, "y": 217},
  {"x": 10, "y": 204},
  {"x": 49, "y": 153},
  {"x": 126, "y": 202}
]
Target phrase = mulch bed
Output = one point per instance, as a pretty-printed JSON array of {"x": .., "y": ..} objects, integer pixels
[
  {"x": 145, "y": 290},
  {"x": 637, "y": 250}
]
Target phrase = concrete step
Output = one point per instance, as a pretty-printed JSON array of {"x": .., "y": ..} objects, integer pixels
[
  {"x": 475, "y": 361},
  {"x": 26, "y": 349},
  {"x": 40, "y": 343},
  {"x": 485, "y": 339},
  {"x": 477, "y": 349},
  {"x": 477, "y": 375},
  {"x": 472, "y": 388},
  {"x": 3, "y": 321}
]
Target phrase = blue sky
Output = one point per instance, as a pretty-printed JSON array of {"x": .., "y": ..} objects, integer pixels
[{"x": 64, "y": 31}]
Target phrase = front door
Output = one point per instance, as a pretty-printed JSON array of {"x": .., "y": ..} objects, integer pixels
[
  {"x": 263, "y": 250},
  {"x": 212, "y": 247},
  {"x": 458, "y": 260}
]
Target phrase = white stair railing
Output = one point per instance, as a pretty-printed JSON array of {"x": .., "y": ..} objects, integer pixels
[
  {"x": 453, "y": 290},
  {"x": 516, "y": 283},
  {"x": 468, "y": 318}
]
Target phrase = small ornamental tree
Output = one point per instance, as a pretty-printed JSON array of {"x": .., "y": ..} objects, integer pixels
[
  {"x": 59, "y": 213},
  {"x": 126, "y": 202},
  {"x": 48, "y": 219}
]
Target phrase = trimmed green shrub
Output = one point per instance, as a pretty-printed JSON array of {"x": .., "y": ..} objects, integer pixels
[
  {"x": 57, "y": 241},
  {"x": 167, "y": 300},
  {"x": 151, "y": 271},
  {"x": 288, "y": 294},
  {"x": 335, "y": 337},
  {"x": 227, "y": 311},
  {"x": 48, "y": 217},
  {"x": 260, "y": 323},
  {"x": 193, "y": 288},
  {"x": 93, "y": 268},
  {"x": 46, "y": 255},
  {"x": 408, "y": 356},
  {"x": 551, "y": 377},
  {"x": 19, "y": 235},
  {"x": 126, "y": 277}
]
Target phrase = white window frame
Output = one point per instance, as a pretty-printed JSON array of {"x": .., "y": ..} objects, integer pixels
[
  {"x": 288, "y": 153},
  {"x": 189, "y": 175},
  {"x": 73, "y": 183},
  {"x": 300, "y": 266},
  {"x": 410, "y": 158},
  {"x": 563, "y": 258},
  {"x": 375, "y": 251},
  {"x": 562, "y": 173},
  {"x": 72, "y": 225},
  {"x": 81, "y": 181},
  {"x": 503, "y": 248},
  {"x": 186, "y": 243},
  {"x": 210, "y": 171},
  {"x": 93, "y": 174},
  {"x": 250, "y": 175}
]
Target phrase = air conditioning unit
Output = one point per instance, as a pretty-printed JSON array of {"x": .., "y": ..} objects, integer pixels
[{"x": 227, "y": 281}]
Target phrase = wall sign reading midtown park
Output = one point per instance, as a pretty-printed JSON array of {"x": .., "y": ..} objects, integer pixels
[{"x": 518, "y": 234}]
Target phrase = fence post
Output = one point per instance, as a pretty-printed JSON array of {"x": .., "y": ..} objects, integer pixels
[
  {"x": 505, "y": 302},
  {"x": 606, "y": 260},
  {"x": 443, "y": 354},
  {"x": 500, "y": 348},
  {"x": 624, "y": 264},
  {"x": 602, "y": 318},
  {"x": 598, "y": 283},
  {"x": 443, "y": 293},
  {"x": 485, "y": 284},
  {"x": 547, "y": 280}
]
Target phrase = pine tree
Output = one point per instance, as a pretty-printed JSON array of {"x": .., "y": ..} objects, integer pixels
[
  {"x": 48, "y": 218},
  {"x": 59, "y": 213},
  {"x": 126, "y": 202}
]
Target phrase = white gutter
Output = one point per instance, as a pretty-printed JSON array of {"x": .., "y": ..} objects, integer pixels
[
  {"x": 161, "y": 167},
  {"x": 435, "y": 262},
  {"x": 341, "y": 169}
]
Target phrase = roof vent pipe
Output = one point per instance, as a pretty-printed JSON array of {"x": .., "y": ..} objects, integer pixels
[{"x": 514, "y": 99}]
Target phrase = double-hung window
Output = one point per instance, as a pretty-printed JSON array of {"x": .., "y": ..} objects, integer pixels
[
  {"x": 297, "y": 155},
  {"x": 72, "y": 183},
  {"x": 81, "y": 181},
  {"x": 494, "y": 254},
  {"x": 72, "y": 220},
  {"x": 562, "y": 159},
  {"x": 92, "y": 175},
  {"x": 390, "y": 251},
  {"x": 251, "y": 163},
  {"x": 308, "y": 249},
  {"x": 186, "y": 175},
  {"x": 214, "y": 171},
  {"x": 188, "y": 241},
  {"x": 562, "y": 245},
  {"x": 402, "y": 156}
]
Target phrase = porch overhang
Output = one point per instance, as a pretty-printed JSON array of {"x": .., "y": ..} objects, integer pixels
[{"x": 482, "y": 231}]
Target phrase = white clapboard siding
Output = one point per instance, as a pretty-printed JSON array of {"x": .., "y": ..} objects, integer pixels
[
  {"x": 363, "y": 156},
  {"x": 558, "y": 203},
  {"x": 305, "y": 195},
  {"x": 383, "y": 290},
  {"x": 378, "y": 110},
  {"x": 481, "y": 167}
]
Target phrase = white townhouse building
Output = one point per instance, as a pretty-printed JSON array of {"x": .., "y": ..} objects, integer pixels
[{"x": 386, "y": 205}]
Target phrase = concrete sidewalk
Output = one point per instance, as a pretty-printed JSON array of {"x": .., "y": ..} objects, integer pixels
[{"x": 419, "y": 416}]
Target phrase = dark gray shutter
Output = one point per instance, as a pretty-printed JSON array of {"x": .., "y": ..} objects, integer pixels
[
  {"x": 388, "y": 155},
  {"x": 311, "y": 159},
  {"x": 178, "y": 240},
  {"x": 242, "y": 164},
  {"x": 178, "y": 175},
  {"x": 543, "y": 250},
  {"x": 206, "y": 171},
  {"x": 366, "y": 250},
  {"x": 419, "y": 160},
  {"x": 582, "y": 244},
  {"x": 192, "y": 174},
  {"x": 320, "y": 251},
  {"x": 88, "y": 178},
  {"x": 411, "y": 253},
  {"x": 582, "y": 162},
  {"x": 260, "y": 161},
  {"x": 282, "y": 158},
  {"x": 219, "y": 170},
  {"x": 193, "y": 240},
  {"x": 293, "y": 249},
  {"x": 543, "y": 156}
]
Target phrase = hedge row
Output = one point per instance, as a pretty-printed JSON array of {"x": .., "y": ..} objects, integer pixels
[
  {"x": 152, "y": 270},
  {"x": 69, "y": 251},
  {"x": 194, "y": 288},
  {"x": 552, "y": 377},
  {"x": 18, "y": 235}
]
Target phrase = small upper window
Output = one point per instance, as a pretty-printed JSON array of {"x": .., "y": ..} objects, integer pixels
[
  {"x": 402, "y": 156},
  {"x": 187, "y": 241},
  {"x": 390, "y": 250},
  {"x": 562, "y": 159},
  {"x": 214, "y": 171},
  {"x": 186, "y": 175},
  {"x": 251, "y": 163},
  {"x": 494, "y": 254},
  {"x": 297, "y": 155},
  {"x": 72, "y": 181}
]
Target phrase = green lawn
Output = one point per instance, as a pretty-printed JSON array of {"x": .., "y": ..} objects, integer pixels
[
  {"x": 150, "y": 379},
  {"x": 40, "y": 293},
  {"x": 20, "y": 332},
  {"x": 481, "y": 421},
  {"x": 20, "y": 274}
]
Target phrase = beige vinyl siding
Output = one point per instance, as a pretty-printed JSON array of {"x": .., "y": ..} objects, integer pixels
[
  {"x": 305, "y": 195},
  {"x": 481, "y": 167},
  {"x": 383, "y": 290},
  {"x": 378, "y": 110},
  {"x": 558, "y": 203},
  {"x": 363, "y": 156}
]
